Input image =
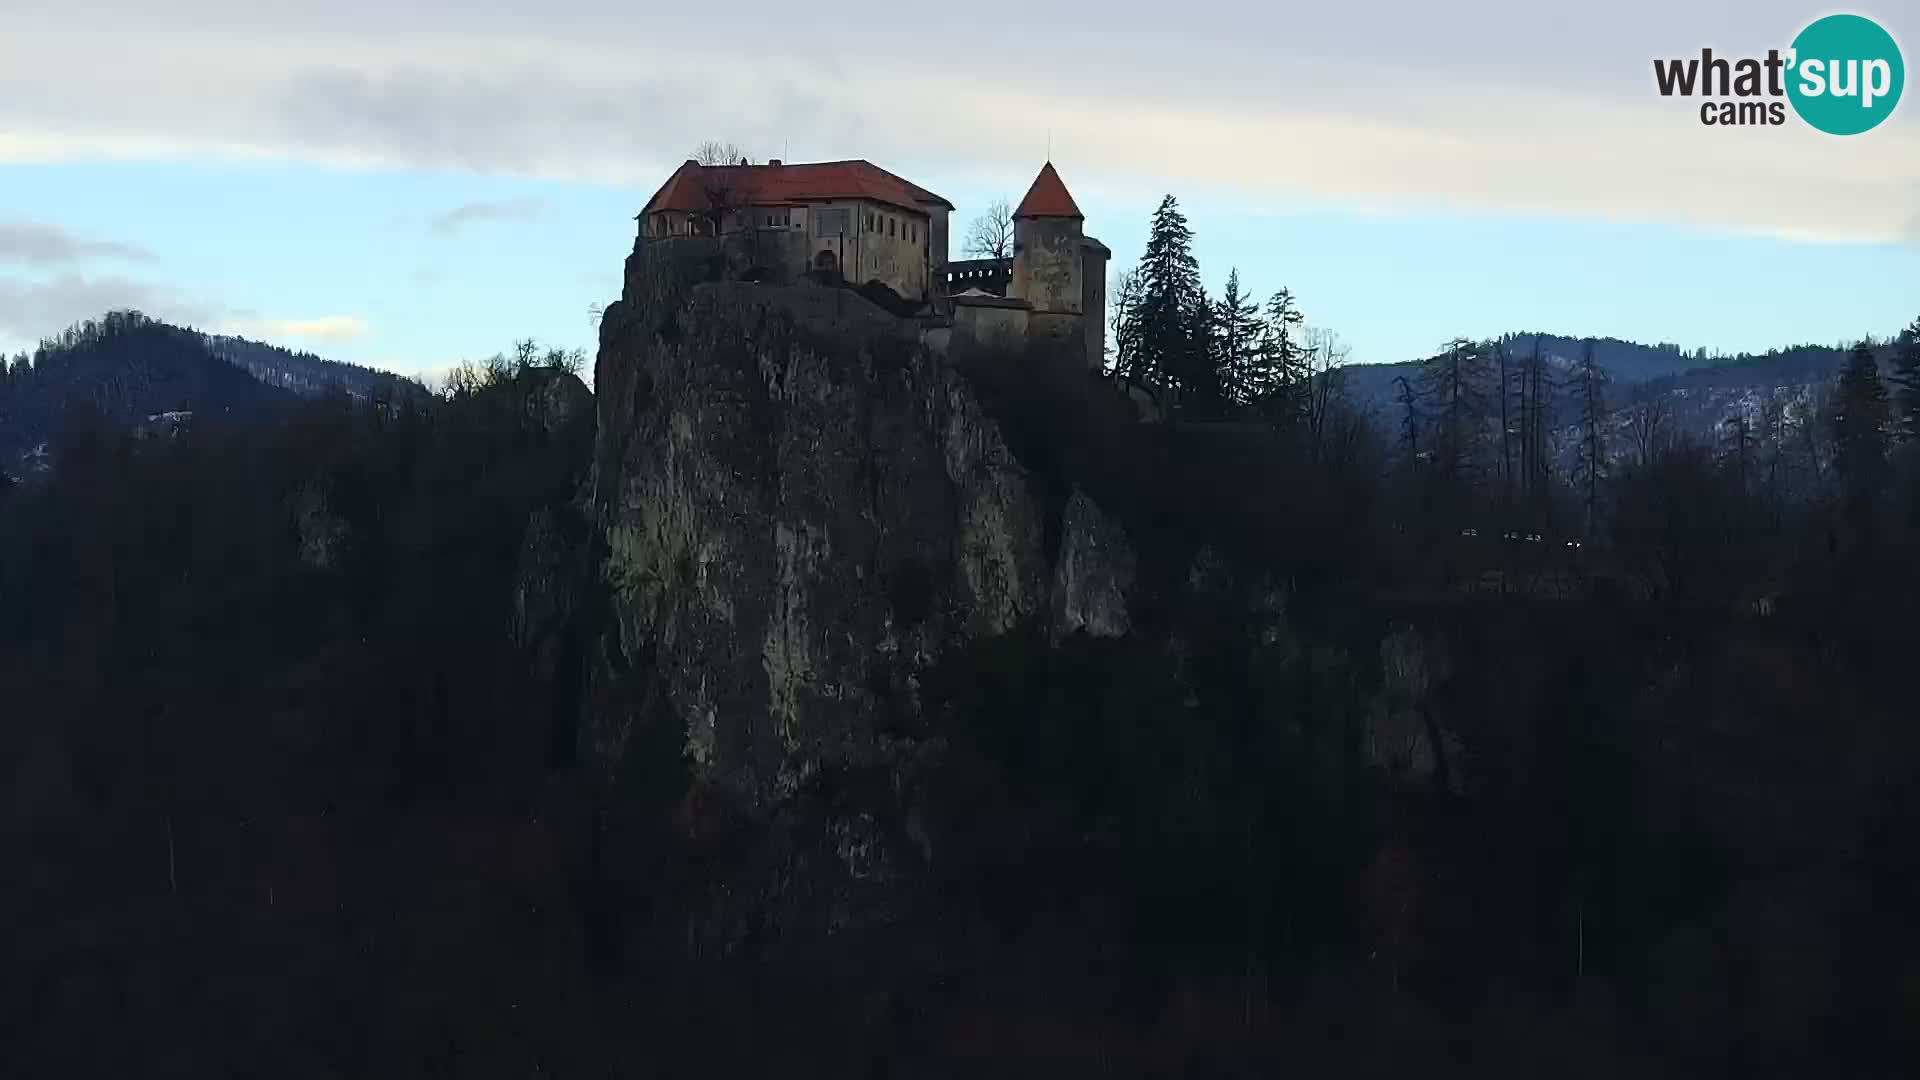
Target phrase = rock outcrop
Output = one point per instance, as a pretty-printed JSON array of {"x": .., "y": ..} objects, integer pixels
[
  {"x": 559, "y": 401},
  {"x": 1094, "y": 573},
  {"x": 802, "y": 501}
]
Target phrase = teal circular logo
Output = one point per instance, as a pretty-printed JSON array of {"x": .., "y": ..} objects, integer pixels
[{"x": 1845, "y": 74}]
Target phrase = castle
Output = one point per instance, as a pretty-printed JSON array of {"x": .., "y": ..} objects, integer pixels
[{"x": 852, "y": 221}]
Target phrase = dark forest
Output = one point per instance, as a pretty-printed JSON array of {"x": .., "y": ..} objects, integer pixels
[{"x": 298, "y": 755}]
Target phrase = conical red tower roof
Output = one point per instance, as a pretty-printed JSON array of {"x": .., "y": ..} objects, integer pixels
[{"x": 1048, "y": 197}]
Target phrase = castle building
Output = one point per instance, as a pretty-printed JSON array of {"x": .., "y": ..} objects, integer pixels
[
  {"x": 853, "y": 221},
  {"x": 987, "y": 275},
  {"x": 840, "y": 220},
  {"x": 1054, "y": 286}
]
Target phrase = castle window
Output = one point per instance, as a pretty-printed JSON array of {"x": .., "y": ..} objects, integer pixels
[
  {"x": 831, "y": 222},
  {"x": 892, "y": 226}
]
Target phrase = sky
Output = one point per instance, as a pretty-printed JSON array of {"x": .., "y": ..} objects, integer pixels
[{"x": 407, "y": 185}]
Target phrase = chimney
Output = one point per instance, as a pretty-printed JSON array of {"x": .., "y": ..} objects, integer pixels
[{"x": 775, "y": 162}]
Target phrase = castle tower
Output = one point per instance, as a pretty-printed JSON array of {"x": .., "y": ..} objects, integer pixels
[
  {"x": 1058, "y": 269},
  {"x": 1048, "y": 260}
]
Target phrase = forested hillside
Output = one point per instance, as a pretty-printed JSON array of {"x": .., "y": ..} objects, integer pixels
[
  {"x": 127, "y": 367},
  {"x": 1632, "y": 375},
  {"x": 307, "y": 375}
]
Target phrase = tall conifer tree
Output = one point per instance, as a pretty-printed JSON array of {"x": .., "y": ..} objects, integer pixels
[
  {"x": 1238, "y": 332},
  {"x": 1859, "y": 431},
  {"x": 1906, "y": 373},
  {"x": 1281, "y": 363},
  {"x": 1172, "y": 316}
]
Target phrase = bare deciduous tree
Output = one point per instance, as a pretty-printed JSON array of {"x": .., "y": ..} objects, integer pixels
[
  {"x": 719, "y": 152},
  {"x": 991, "y": 234},
  {"x": 572, "y": 361},
  {"x": 1123, "y": 344},
  {"x": 1590, "y": 468},
  {"x": 1321, "y": 354},
  {"x": 526, "y": 353},
  {"x": 1648, "y": 422},
  {"x": 720, "y": 181}
]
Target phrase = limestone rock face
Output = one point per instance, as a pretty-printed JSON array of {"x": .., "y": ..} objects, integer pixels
[
  {"x": 547, "y": 590},
  {"x": 1094, "y": 573},
  {"x": 801, "y": 500},
  {"x": 561, "y": 400}
]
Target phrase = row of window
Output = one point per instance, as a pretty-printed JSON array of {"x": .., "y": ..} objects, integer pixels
[
  {"x": 836, "y": 222},
  {"x": 892, "y": 225},
  {"x": 672, "y": 225},
  {"x": 832, "y": 222}
]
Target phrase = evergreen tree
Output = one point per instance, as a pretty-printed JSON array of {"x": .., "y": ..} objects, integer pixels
[
  {"x": 1906, "y": 373},
  {"x": 1859, "y": 420},
  {"x": 1280, "y": 361},
  {"x": 1204, "y": 381},
  {"x": 1238, "y": 333},
  {"x": 1172, "y": 314}
]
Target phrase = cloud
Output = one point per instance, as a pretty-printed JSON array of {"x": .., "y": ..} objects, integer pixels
[
  {"x": 435, "y": 376},
  {"x": 1481, "y": 105},
  {"x": 450, "y": 222},
  {"x": 31, "y": 309},
  {"x": 50, "y": 245},
  {"x": 325, "y": 328}
]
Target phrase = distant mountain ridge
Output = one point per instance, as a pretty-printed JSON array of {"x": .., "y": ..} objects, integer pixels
[
  {"x": 309, "y": 376},
  {"x": 129, "y": 367},
  {"x": 1698, "y": 390},
  {"x": 1626, "y": 362}
]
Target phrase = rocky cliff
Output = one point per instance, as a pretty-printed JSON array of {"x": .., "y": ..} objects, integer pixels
[
  {"x": 801, "y": 501},
  {"x": 854, "y": 582}
]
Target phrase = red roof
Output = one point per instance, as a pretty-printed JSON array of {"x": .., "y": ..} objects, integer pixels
[
  {"x": 1048, "y": 197},
  {"x": 784, "y": 185}
]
